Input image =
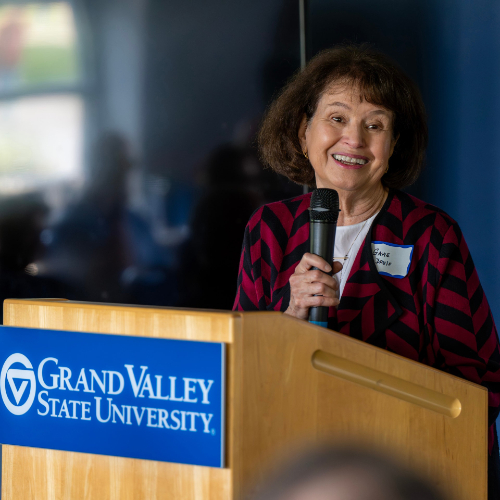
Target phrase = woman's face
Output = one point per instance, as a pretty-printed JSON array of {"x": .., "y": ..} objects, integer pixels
[{"x": 348, "y": 140}]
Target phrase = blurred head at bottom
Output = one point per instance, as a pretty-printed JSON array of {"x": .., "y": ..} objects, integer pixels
[{"x": 345, "y": 474}]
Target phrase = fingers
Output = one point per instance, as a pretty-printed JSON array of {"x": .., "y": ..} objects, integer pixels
[
  {"x": 310, "y": 260},
  {"x": 311, "y": 279},
  {"x": 316, "y": 295},
  {"x": 299, "y": 306},
  {"x": 313, "y": 283},
  {"x": 312, "y": 287}
]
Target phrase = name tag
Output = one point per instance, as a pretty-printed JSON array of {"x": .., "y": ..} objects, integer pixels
[{"x": 392, "y": 260}]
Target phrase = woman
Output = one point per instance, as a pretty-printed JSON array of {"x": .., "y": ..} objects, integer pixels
[{"x": 403, "y": 278}]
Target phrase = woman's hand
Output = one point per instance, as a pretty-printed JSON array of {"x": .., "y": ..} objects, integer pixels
[{"x": 311, "y": 287}]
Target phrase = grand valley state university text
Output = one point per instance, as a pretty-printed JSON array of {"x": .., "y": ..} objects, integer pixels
[{"x": 112, "y": 383}]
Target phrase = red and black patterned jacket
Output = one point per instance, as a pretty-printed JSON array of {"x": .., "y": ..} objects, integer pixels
[{"x": 437, "y": 314}]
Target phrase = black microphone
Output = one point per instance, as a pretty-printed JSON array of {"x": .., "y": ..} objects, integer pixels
[{"x": 323, "y": 214}]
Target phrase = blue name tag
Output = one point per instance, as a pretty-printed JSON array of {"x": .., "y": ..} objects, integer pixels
[{"x": 156, "y": 399}]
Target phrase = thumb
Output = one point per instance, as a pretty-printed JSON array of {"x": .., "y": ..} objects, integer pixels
[{"x": 337, "y": 266}]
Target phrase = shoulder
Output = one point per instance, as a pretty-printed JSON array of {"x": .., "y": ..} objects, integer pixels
[
  {"x": 281, "y": 213},
  {"x": 404, "y": 204},
  {"x": 406, "y": 213},
  {"x": 406, "y": 220}
]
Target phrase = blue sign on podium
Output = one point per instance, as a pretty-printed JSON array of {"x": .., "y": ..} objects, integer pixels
[{"x": 137, "y": 397}]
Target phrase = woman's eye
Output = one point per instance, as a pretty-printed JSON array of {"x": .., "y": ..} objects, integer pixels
[
  {"x": 375, "y": 126},
  {"x": 337, "y": 119}
]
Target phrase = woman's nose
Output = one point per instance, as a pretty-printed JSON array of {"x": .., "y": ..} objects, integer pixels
[{"x": 353, "y": 135}]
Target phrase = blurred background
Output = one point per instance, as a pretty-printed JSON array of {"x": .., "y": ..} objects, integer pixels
[
  {"x": 127, "y": 162},
  {"x": 128, "y": 167}
]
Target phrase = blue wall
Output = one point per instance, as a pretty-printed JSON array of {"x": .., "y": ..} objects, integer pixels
[
  {"x": 451, "y": 48},
  {"x": 462, "y": 80}
]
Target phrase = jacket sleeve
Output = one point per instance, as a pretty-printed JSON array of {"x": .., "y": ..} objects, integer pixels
[
  {"x": 465, "y": 339},
  {"x": 246, "y": 291},
  {"x": 256, "y": 288}
]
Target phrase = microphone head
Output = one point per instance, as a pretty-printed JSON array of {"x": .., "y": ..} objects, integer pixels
[{"x": 324, "y": 205}]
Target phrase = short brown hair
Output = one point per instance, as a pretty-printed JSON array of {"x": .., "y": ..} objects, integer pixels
[{"x": 380, "y": 82}]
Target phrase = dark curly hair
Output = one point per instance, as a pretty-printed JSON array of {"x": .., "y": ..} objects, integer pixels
[{"x": 380, "y": 82}]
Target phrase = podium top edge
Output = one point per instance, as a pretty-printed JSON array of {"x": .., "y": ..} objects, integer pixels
[{"x": 106, "y": 305}]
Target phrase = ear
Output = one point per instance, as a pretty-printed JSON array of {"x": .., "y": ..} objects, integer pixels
[{"x": 302, "y": 133}]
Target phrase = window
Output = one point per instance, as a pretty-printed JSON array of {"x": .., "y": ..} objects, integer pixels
[{"x": 41, "y": 103}]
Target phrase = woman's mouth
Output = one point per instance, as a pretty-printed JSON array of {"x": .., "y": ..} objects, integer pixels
[{"x": 348, "y": 161}]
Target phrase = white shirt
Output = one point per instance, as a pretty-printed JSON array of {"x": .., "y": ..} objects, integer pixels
[{"x": 348, "y": 240}]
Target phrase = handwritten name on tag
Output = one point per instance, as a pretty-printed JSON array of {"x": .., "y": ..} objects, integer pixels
[{"x": 392, "y": 260}]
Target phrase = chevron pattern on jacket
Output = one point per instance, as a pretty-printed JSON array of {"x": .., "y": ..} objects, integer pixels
[{"x": 437, "y": 314}]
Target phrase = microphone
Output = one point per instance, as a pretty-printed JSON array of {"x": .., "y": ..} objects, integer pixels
[{"x": 323, "y": 214}]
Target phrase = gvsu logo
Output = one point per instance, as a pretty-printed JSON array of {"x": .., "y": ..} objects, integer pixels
[{"x": 11, "y": 374}]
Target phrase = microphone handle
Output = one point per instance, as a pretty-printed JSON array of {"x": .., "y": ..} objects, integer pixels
[{"x": 322, "y": 243}]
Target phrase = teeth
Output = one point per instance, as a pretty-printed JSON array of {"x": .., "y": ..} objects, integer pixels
[{"x": 349, "y": 159}]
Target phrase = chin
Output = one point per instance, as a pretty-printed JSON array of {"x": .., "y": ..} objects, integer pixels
[
  {"x": 341, "y": 184},
  {"x": 349, "y": 182}
]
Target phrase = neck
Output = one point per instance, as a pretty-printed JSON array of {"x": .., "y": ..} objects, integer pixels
[{"x": 357, "y": 206}]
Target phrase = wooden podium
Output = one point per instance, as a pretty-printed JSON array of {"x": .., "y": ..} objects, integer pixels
[{"x": 288, "y": 384}]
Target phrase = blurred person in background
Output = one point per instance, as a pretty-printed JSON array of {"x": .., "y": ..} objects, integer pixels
[
  {"x": 345, "y": 474},
  {"x": 90, "y": 245},
  {"x": 235, "y": 185},
  {"x": 352, "y": 121}
]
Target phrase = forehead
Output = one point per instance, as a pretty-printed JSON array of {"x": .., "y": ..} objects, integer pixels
[{"x": 349, "y": 95}]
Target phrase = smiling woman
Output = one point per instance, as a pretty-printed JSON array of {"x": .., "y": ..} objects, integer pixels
[
  {"x": 344, "y": 126},
  {"x": 401, "y": 277}
]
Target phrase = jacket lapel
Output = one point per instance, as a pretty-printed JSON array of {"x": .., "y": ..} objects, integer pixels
[{"x": 367, "y": 308}]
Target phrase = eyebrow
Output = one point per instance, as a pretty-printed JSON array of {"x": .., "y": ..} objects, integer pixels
[
  {"x": 374, "y": 112},
  {"x": 341, "y": 104}
]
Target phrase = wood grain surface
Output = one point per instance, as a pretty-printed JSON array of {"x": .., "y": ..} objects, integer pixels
[
  {"x": 309, "y": 406},
  {"x": 277, "y": 402},
  {"x": 35, "y": 474}
]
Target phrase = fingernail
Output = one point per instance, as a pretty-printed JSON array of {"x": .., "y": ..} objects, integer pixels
[{"x": 328, "y": 268}]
